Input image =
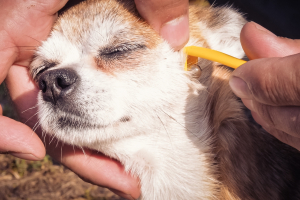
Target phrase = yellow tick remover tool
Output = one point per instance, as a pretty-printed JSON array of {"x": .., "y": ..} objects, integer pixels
[{"x": 194, "y": 52}]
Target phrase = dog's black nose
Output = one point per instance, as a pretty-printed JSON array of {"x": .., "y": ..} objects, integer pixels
[{"x": 57, "y": 84}]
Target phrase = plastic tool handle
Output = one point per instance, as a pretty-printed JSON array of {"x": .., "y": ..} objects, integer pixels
[{"x": 213, "y": 55}]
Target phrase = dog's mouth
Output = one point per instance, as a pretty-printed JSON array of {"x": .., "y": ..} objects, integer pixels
[{"x": 83, "y": 124}]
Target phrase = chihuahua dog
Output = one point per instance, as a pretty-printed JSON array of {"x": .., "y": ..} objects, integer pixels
[{"x": 109, "y": 82}]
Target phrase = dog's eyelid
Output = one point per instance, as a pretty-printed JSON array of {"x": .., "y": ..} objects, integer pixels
[
  {"x": 124, "y": 47},
  {"x": 46, "y": 65},
  {"x": 49, "y": 64}
]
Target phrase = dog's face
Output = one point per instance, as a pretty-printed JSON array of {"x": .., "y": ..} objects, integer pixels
[{"x": 104, "y": 74}]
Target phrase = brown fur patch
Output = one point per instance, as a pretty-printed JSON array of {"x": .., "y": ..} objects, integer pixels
[
  {"x": 250, "y": 161},
  {"x": 75, "y": 27}
]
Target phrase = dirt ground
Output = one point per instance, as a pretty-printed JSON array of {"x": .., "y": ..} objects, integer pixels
[{"x": 42, "y": 180}]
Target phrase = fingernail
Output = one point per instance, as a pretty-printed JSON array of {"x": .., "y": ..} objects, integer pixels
[
  {"x": 176, "y": 32},
  {"x": 121, "y": 194},
  {"x": 239, "y": 87},
  {"x": 26, "y": 156},
  {"x": 261, "y": 28}
]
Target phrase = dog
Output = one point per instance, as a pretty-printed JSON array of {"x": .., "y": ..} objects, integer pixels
[{"x": 110, "y": 83}]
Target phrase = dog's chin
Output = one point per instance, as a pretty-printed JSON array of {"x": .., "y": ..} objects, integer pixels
[
  {"x": 84, "y": 124},
  {"x": 82, "y": 131}
]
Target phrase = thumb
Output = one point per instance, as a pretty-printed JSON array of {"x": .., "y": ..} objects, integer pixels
[
  {"x": 259, "y": 42},
  {"x": 271, "y": 81},
  {"x": 19, "y": 140},
  {"x": 24, "y": 24},
  {"x": 169, "y": 18}
]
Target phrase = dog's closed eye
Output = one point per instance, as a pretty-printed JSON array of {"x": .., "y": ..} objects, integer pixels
[{"x": 120, "y": 51}]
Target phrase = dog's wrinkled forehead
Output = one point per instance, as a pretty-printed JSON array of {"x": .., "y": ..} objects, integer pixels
[
  {"x": 108, "y": 19},
  {"x": 103, "y": 22},
  {"x": 98, "y": 29}
]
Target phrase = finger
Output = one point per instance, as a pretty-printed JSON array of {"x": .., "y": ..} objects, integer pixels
[
  {"x": 23, "y": 26},
  {"x": 270, "y": 81},
  {"x": 169, "y": 18},
  {"x": 286, "y": 119},
  {"x": 1, "y": 110},
  {"x": 285, "y": 138},
  {"x": 49, "y": 7},
  {"x": 259, "y": 42},
  {"x": 15, "y": 136},
  {"x": 19, "y": 140},
  {"x": 98, "y": 169},
  {"x": 7, "y": 55},
  {"x": 23, "y": 93}
]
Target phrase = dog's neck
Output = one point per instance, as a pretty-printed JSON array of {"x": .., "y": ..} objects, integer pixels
[{"x": 179, "y": 137}]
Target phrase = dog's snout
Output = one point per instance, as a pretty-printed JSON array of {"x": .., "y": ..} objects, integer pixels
[{"x": 57, "y": 84}]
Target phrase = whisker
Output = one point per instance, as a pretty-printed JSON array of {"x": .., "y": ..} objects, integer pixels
[
  {"x": 34, "y": 39},
  {"x": 83, "y": 151},
  {"x": 22, "y": 48},
  {"x": 51, "y": 139},
  {"x": 180, "y": 124},
  {"x": 32, "y": 116},
  {"x": 36, "y": 126},
  {"x": 73, "y": 148},
  {"x": 30, "y": 108},
  {"x": 57, "y": 143},
  {"x": 44, "y": 137},
  {"x": 34, "y": 129},
  {"x": 27, "y": 50},
  {"x": 19, "y": 47},
  {"x": 166, "y": 131}
]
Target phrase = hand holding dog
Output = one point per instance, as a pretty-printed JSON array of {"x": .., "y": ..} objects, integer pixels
[
  {"x": 269, "y": 85},
  {"x": 169, "y": 18},
  {"x": 22, "y": 26}
]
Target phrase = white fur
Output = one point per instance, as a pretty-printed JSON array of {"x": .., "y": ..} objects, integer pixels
[
  {"x": 165, "y": 142},
  {"x": 225, "y": 38}
]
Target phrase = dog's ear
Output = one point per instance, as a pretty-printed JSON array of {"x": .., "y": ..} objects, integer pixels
[{"x": 222, "y": 29}]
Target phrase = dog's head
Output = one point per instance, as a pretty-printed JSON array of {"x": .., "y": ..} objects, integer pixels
[{"x": 103, "y": 74}]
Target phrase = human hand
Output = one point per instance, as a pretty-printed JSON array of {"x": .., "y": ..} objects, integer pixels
[
  {"x": 269, "y": 86},
  {"x": 16, "y": 20},
  {"x": 169, "y": 18},
  {"x": 23, "y": 25}
]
